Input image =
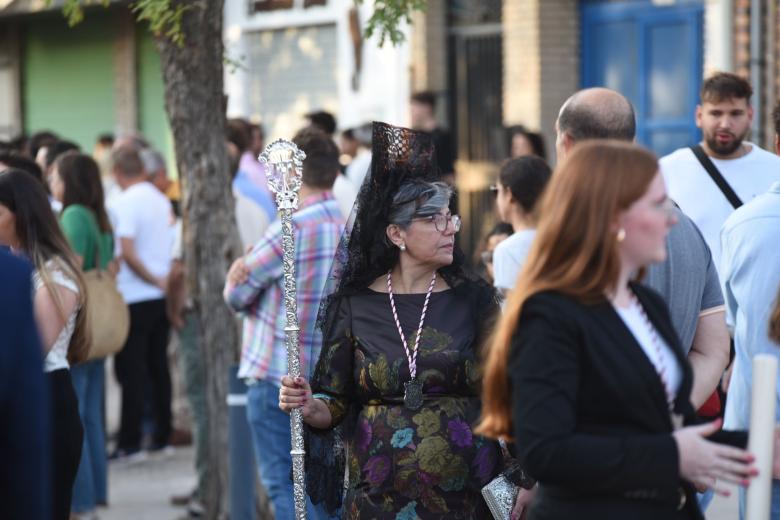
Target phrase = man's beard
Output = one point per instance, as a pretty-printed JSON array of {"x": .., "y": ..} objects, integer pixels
[{"x": 724, "y": 149}]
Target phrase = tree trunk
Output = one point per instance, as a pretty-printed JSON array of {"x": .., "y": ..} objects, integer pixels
[{"x": 194, "y": 103}]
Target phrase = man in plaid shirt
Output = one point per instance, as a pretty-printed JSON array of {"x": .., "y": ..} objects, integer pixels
[{"x": 255, "y": 289}]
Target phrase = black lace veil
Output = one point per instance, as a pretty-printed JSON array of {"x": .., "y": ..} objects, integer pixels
[{"x": 399, "y": 156}]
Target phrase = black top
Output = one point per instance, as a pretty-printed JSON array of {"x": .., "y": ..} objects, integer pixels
[
  {"x": 424, "y": 463},
  {"x": 445, "y": 152},
  {"x": 591, "y": 419}
]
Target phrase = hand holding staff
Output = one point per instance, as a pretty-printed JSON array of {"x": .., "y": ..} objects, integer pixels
[{"x": 284, "y": 180}]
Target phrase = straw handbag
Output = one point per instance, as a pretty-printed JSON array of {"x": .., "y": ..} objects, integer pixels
[{"x": 108, "y": 317}]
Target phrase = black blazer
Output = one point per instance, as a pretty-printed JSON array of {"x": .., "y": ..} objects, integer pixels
[{"x": 590, "y": 416}]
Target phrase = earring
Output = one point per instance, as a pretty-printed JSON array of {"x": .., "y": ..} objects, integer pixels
[
  {"x": 621, "y": 235},
  {"x": 402, "y": 247}
]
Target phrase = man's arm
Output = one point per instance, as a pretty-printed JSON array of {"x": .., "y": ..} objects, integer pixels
[
  {"x": 130, "y": 257},
  {"x": 259, "y": 268},
  {"x": 176, "y": 295},
  {"x": 709, "y": 354}
]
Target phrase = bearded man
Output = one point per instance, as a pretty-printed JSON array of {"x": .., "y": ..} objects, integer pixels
[{"x": 738, "y": 170}]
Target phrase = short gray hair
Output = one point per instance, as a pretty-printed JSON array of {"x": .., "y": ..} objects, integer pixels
[
  {"x": 418, "y": 199},
  {"x": 127, "y": 161},
  {"x": 152, "y": 160}
]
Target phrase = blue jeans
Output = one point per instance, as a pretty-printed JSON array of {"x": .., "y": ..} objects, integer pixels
[
  {"x": 774, "y": 509},
  {"x": 271, "y": 437},
  {"x": 90, "y": 486},
  {"x": 705, "y": 499}
]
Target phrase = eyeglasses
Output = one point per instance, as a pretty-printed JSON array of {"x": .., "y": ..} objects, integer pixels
[
  {"x": 667, "y": 206},
  {"x": 441, "y": 222}
]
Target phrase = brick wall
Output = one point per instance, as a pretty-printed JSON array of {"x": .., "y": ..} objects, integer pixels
[
  {"x": 742, "y": 37},
  {"x": 560, "y": 51},
  {"x": 773, "y": 52},
  {"x": 429, "y": 62},
  {"x": 541, "y": 61},
  {"x": 522, "y": 66},
  {"x": 764, "y": 100}
]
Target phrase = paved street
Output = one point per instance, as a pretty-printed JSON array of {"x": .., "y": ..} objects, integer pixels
[{"x": 142, "y": 491}]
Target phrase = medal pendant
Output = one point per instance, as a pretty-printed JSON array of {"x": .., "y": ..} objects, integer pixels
[{"x": 413, "y": 394}]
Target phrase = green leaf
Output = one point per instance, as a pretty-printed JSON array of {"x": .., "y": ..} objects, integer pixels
[
  {"x": 388, "y": 15},
  {"x": 164, "y": 18},
  {"x": 73, "y": 10}
]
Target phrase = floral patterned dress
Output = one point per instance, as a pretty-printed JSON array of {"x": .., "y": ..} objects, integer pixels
[{"x": 406, "y": 464}]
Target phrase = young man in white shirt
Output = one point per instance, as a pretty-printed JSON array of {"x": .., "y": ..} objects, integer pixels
[
  {"x": 521, "y": 182},
  {"x": 724, "y": 116},
  {"x": 143, "y": 228}
]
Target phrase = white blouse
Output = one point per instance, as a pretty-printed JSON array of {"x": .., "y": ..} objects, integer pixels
[
  {"x": 655, "y": 348},
  {"x": 57, "y": 357}
]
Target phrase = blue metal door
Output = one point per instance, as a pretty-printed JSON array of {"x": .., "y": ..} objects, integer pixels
[{"x": 652, "y": 55}]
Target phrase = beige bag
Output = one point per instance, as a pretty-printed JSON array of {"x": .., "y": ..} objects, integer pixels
[{"x": 108, "y": 316}]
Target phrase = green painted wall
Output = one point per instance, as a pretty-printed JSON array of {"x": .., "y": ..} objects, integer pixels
[
  {"x": 152, "y": 119},
  {"x": 68, "y": 81},
  {"x": 68, "y": 77}
]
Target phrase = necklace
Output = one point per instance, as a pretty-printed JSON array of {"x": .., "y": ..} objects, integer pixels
[
  {"x": 660, "y": 366},
  {"x": 413, "y": 393}
]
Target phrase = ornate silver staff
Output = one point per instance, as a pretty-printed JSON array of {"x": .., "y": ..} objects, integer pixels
[{"x": 285, "y": 163}]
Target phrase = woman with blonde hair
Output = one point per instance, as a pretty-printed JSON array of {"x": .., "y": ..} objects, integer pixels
[
  {"x": 29, "y": 228},
  {"x": 585, "y": 371}
]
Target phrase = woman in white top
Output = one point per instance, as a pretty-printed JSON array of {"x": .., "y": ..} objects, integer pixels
[{"x": 30, "y": 229}]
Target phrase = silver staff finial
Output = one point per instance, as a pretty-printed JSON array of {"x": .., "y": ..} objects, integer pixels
[{"x": 285, "y": 163}]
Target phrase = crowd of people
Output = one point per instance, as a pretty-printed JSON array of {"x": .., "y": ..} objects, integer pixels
[
  {"x": 604, "y": 372},
  {"x": 590, "y": 364}
]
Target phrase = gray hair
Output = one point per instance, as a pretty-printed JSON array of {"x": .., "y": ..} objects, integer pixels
[
  {"x": 127, "y": 161},
  {"x": 418, "y": 199},
  {"x": 152, "y": 160}
]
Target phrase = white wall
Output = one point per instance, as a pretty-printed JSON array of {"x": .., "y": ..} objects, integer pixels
[
  {"x": 10, "y": 96},
  {"x": 383, "y": 86}
]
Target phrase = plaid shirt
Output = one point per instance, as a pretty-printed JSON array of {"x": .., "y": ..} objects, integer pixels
[{"x": 318, "y": 225}]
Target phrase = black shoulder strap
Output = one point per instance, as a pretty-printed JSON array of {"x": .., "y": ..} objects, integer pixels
[{"x": 715, "y": 175}]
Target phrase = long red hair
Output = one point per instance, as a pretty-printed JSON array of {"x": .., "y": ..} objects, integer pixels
[{"x": 575, "y": 251}]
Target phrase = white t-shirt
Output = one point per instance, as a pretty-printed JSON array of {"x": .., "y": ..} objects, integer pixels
[
  {"x": 345, "y": 194},
  {"x": 358, "y": 168},
  {"x": 144, "y": 215},
  {"x": 660, "y": 355},
  {"x": 509, "y": 257},
  {"x": 251, "y": 219},
  {"x": 699, "y": 197},
  {"x": 57, "y": 357}
]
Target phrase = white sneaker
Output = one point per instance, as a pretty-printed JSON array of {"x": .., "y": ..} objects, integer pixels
[
  {"x": 196, "y": 509},
  {"x": 163, "y": 452}
]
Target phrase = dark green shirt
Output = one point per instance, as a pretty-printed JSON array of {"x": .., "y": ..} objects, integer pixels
[{"x": 82, "y": 231}]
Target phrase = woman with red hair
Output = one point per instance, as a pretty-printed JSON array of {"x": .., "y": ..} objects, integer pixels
[{"x": 585, "y": 371}]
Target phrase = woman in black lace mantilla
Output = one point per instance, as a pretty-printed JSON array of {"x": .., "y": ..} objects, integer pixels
[{"x": 403, "y": 405}]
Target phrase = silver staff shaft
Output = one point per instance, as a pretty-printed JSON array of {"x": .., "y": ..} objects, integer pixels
[
  {"x": 293, "y": 360},
  {"x": 284, "y": 180}
]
